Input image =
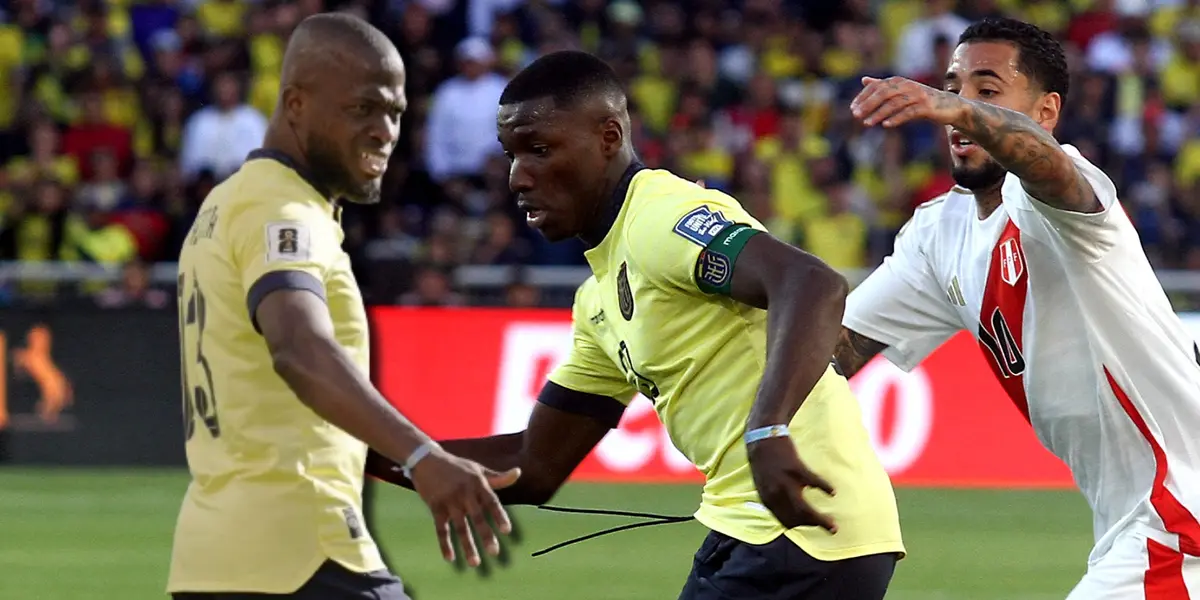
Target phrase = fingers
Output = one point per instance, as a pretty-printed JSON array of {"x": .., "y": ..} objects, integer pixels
[
  {"x": 483, "y": 529},
  {"x": 499, "y": 516},
  {"x": 820, "y": 483},
  {"x": 441, "y": 523},
  {"x": 499, "y": 481},
  {"x": 817, "y": 518},
  {"x": 463, "y": 532},
  {"x": 904, "y": 115},
  {"x": 888, "y": 109}
]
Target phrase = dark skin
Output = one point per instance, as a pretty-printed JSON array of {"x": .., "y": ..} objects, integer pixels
[
  {"x": 566, "y": 164},
  {"x": 991, "y": 102},
  {"x": 334, "y": 123}
]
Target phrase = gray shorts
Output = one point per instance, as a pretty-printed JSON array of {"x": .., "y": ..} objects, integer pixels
[
  {"x": 728, "y": 569},
  {"x": 331, "y": 582}
]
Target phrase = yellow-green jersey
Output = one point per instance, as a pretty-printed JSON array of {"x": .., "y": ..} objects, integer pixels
[
  {"x": 656, "y": 318},
  {"x": 276, "y": 490}
]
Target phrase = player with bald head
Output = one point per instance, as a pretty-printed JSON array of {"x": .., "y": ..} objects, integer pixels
[{"x": 279, "y": 410}]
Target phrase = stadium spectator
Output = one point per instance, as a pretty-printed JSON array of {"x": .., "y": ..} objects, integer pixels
[
  {"x": 460, "y": 134},
  {"x": 134, "y": 290},
  {"x": 750, "y": 96},
  {"x": 218, "y": 137}
]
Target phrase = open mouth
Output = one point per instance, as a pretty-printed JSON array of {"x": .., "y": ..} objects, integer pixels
[
  {"x": 373, "y": 164},
  {"x": 960, "y": 146},
  {"x": 534, "y": 216}
]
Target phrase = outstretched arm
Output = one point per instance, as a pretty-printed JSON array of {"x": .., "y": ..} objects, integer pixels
[
  {"x": 559, "y": 436},
  {"x": 1027, "y": 150},
  {"x": 1020, "y": 144},
  {"x": 854, "y": 350}
]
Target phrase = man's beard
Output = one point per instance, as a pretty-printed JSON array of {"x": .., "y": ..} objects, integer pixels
[
  {"x": 986, "y": 176},
  {"x": 328, "y": 170}
]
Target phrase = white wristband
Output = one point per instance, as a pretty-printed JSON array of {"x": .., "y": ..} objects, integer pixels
[
  {"x": 762, "y": 433},
  {"x": 417, "y": 455}
]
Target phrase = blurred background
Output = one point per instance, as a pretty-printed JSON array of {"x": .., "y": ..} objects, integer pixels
[{"x": 116, "y": 119}]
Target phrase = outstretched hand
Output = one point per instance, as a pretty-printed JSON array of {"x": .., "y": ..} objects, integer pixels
[
  {"x": 460, "y": 495},
  {"x": 894, "y": 101}
]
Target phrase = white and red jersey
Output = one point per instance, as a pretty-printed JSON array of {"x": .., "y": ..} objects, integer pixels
[{"x": 1077, "y": 329}]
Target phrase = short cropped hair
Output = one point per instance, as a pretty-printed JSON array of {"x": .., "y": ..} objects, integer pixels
[
  {"x": 567, "y": 77},
  {"x": 1040, "y": 55}
]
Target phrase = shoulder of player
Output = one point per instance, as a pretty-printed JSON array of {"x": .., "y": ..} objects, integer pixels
[
  {"x": 658, "y": 195},
  {"x": 930, "y": 213},
  {"x": 263, "y": 195}
]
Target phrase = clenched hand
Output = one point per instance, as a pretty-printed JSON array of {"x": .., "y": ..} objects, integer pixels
[{"x": 460, "y": 496}]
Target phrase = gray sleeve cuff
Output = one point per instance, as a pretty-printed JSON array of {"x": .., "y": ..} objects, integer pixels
[
  {"x": 281, "y": 280},
  {"x": 601, "y": 408}
]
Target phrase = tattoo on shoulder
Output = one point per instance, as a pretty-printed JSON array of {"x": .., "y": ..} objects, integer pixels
[{"x": 854, "y": 350}]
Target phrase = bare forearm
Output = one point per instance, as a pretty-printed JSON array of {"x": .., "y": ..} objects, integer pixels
[
  {"x": 854, "y": 351},
  {"x": 1028, "y": 151},
  {"x": 498, "y": 452},
  {"x": 803, "y": 330},
  {"x": 328, "y": 382}
]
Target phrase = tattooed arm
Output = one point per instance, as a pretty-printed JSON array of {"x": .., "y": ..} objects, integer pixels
[
  {"x": 1028, "y": 151},
  {"x": 1013, "y": 139},
  {"x": 854, "y": 350}
]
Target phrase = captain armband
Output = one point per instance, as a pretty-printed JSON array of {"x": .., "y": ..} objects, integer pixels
[{"x": 714, "y": 266}]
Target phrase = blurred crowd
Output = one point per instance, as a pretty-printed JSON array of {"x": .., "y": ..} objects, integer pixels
[{"x": 116, "y": 118}]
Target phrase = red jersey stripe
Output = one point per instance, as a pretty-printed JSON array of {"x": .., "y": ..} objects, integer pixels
[{"x": 1002, "y": 315}]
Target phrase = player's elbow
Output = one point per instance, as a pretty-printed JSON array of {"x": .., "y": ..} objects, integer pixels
[{"x": 818, "y": 283}]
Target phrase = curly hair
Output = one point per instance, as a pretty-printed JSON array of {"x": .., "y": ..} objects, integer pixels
[{"x": 1040, "y": 55}]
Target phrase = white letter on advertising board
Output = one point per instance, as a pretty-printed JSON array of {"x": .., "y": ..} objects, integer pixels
[
  {"x": 913, "y": 397},
  {"x": 525, "y": 347}
]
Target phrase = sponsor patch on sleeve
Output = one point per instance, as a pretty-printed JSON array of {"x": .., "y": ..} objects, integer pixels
[
  {"x": 701, "y": 225},
  {"x": 288, "y": 241}
]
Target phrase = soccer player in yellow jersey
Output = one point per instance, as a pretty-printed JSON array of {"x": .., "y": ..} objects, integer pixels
[
  {"x": 278, "y": 405},
  {"x": 728, "y": 331}
]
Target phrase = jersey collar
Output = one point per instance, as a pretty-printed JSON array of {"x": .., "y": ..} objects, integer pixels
[
  {"x": 288, "y": 162},
  {"x": 613, "y": 210}
]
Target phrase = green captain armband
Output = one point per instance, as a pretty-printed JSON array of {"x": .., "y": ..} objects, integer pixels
[{"x": 714, "y": 266}]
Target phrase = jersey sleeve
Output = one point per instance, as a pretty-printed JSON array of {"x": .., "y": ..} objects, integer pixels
[
  {"x": 277, "y": 246},
  {"x": 1088, "y": 235},
  {"x": 902, "y": 305},
  {"x": 587, "y": 368},
  {"x": 690, "y": 240}
]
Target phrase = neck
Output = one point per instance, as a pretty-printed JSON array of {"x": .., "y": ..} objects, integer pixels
[
  {"x": 280, "y": 138},
  {"x": 988, "y": 200},
  {"x": 607, "y": 205}
]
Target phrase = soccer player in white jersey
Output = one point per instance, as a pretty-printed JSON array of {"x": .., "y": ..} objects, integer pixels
[{"x": 1032, "y": 253}]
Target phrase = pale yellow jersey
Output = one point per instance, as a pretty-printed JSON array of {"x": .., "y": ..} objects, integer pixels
[
  {"x": 276, "y": 490},
  {"x": 653, "y": 318}
]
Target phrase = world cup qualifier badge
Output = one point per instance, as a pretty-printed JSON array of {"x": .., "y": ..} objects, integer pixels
[{"x": 624, "y": 294}]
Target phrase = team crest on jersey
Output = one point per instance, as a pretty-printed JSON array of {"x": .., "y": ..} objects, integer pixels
[
  {"x": 288, "y": 241},
  {"x": 1012, "y": 261},
  {"x": 713, "y": 268},
  {"x": 624, "y": 293},
  {"x": 701, "y": 225}
]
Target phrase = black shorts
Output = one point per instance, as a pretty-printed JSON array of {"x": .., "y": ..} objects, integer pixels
[
  {"x": 728, "y": 569},
  {"x": 331, "y": 582}
]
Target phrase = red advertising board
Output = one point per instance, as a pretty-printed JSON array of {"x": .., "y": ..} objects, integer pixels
[{"x": 474, "y": 372}]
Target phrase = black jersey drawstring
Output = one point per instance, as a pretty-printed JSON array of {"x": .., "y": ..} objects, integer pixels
[{"x": 655, "y": 519}]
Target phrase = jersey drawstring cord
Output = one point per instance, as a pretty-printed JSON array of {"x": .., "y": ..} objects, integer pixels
[{"x": 655, "y": 519}]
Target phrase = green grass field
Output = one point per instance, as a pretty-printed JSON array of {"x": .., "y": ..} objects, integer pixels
[{"x": 74, "y": 535}]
